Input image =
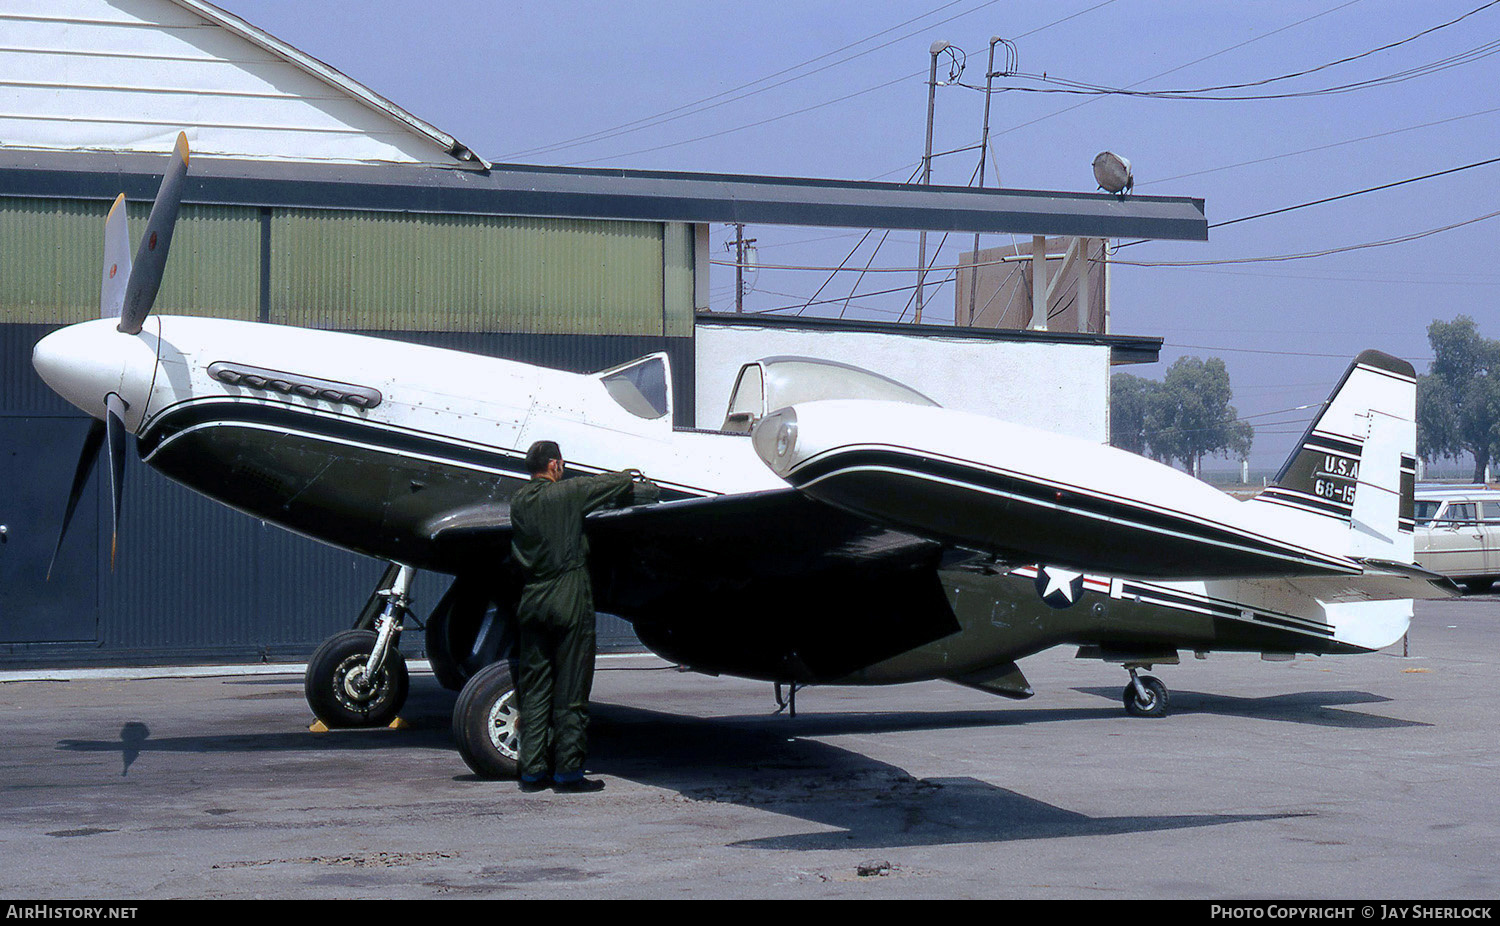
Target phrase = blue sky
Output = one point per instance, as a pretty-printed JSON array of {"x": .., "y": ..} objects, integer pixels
[{"x": 519, "y": 82}]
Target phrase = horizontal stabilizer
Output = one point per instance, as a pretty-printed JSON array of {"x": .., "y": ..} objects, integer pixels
[{"x": 1381, "y": 581}]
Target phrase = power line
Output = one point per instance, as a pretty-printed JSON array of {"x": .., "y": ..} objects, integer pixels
[
  {"x": 1373, "y": 189},
  {"x": 1411, "y": 281},
  {"x": 1326, "y": 199},
  {"x": 1337, "y": 144},
  {"x": 1200, "y": 93},
  {"x": 610, "y": 133},
  {"x": 751, "y": 125},
  {"x": 1222, "y": 51},
  {"x": 1477, "y": 53},
  {"x": 697, "y": 106},
  {"x": 1307, "y": 254}
]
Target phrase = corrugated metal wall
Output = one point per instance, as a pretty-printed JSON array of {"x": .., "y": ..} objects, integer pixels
[
  {"x": 391, "y": 271},
  {"x": 196, "y": 581},
  {"x": 50, "y": 265}
]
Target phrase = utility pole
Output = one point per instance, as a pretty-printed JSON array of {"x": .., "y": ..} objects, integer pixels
[
  {"x": 937, "y": 49},
  {"x": 740, "y": 244},
  {"x": 984, "y": 148}
]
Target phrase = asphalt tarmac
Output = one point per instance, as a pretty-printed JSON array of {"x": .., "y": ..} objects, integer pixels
[{"x": 1364, "y": 777}]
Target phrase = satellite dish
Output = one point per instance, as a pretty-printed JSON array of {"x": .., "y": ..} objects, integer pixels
[{"x": 1113, "y": 173}]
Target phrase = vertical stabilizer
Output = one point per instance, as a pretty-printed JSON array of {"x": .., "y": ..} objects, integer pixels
[{"x": 1353, "y": 474}]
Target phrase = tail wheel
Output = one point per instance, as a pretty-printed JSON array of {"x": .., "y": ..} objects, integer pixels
[
  {"x": 1152, "y": 704},
  {"x": 339, "y": 693},
  {"x": 486, "y": 723}
]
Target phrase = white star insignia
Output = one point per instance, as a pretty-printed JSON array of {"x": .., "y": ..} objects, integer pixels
[{"x": 1059, "y": 580}]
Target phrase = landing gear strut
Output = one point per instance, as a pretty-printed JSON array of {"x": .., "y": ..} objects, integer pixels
[
  {"x": 788, "y": 703},
  {"x": 1145, "y": 696},
  {"x": 358, "y": 678}
]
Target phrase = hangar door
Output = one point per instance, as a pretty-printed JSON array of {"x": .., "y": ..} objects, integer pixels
[{"x": 33, "y": 491}]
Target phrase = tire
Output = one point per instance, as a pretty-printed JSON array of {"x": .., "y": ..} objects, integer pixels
[
  {"x": 486, "y": 723},
  {"x": 1477, "y": 586},
  {"x": 441, "y": 646},
  {"x": 466, "y": 632},
  {"x": 1156, "y": 703},
  {"x": 331, "y": 682}
]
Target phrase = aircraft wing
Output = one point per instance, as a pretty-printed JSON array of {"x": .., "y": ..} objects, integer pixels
[{"x": 743, "y": 574}]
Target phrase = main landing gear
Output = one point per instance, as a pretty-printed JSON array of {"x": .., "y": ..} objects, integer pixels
[
  {"x": 358, "y": 678},
  {"x": 1145, "y": 696},
  {"x": 486, "y": 722}
]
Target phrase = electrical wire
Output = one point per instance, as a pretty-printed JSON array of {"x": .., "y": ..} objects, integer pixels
[
  {"x": 695, "y": 107},
  {"x": 1180, "y": 67},
  {"x": 1307, "y": 254},
  {"x": 1337, "y": 144},
  {"x": 1477, "y": 53},
  {"x": 611, "y": 133},
  {"x": 1373, "y": 189},
  {"x": 1329, "y": 199}
]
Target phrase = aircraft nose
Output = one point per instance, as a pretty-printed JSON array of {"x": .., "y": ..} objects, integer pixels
[{"x": 84, "y": 363}]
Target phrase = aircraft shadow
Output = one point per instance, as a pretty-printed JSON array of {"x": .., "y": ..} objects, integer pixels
[
  {"x": 1316, "y": 708},
  {"x": 766, "y": 763},
  {"x": 428, "y": 716},
  {"x": 773, "y": 763}
]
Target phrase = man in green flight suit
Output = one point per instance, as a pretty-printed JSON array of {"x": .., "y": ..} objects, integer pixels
[{"x": 556, "y": 616}]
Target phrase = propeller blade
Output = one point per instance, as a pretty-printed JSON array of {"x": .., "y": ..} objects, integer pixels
[
  {"x": 116, "y": 261},
  {"x": 114, "y": 419},
  {"x": 91, "y": 444},
  {"x": 151, "y": 256}
]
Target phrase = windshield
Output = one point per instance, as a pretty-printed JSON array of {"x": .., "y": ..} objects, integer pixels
[
  {"x": 1426, "y": 511},
  {"x": 640, "y": 387}
]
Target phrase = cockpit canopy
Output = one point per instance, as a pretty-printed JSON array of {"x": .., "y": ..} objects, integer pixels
[
  {"x": 642, "y": 387},
  {"x": 775, "y": 382}
]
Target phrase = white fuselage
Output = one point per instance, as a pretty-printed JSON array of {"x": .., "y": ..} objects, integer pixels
[{"x": 461, "y": 416}]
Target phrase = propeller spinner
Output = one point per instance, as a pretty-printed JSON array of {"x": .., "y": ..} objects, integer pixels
[{"x": 103, "y": 369}]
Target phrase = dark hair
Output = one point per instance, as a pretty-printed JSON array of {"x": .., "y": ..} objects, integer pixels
[{"x": 542, "y": 453}]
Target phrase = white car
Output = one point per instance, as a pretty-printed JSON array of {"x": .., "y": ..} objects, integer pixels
[{"x": 1458, "y": 533}]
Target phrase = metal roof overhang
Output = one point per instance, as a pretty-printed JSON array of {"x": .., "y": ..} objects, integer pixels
[{"x": 559, "y": 192}]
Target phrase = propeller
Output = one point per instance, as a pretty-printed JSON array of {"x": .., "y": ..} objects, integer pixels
[
  {"x": 151, "y": 256},
  {"x": 127, "y": 291}
]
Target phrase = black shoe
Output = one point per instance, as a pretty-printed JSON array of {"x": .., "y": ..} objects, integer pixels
[
  {"x": 531, "y": 787},
  {"x": 578, "y": 786}
]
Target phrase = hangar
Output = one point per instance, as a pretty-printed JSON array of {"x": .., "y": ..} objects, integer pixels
[{"x": 314, "y": 202}]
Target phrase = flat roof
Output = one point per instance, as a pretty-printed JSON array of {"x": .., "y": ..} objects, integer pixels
[
  {"x": 562, "y": 192},
  {"x": 1123, "y": 348}
]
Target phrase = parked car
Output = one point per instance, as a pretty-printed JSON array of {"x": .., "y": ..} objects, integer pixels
[{"x": 1458, "y": 533}]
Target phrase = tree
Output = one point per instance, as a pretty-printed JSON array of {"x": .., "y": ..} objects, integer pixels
[
  {"x": 1185, "y": 417},
  {"x": 1129, "y": 397},
  {"x": 1458, "y": 402}
]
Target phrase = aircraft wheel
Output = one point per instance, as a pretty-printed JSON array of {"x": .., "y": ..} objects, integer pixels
[
  {"x": 337, "y": 690},
  {"x": 487, "y": 723},
  {"x": 1155, "y": 702}
]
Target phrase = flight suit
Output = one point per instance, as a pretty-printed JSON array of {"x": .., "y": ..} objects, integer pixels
[{"x": 556, "y": 618}]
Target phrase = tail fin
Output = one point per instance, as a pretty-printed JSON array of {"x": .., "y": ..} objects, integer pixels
[{"x": 1352, "y": 478}]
